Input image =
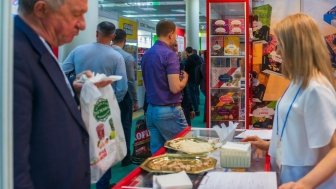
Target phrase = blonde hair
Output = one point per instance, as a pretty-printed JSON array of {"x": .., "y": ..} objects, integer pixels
[{"x": 303, "y": 49}]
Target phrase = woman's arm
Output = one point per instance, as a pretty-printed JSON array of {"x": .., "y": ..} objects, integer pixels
[
  {"x": 257, "y": 142},
  {"x": 321, "y": 172}
]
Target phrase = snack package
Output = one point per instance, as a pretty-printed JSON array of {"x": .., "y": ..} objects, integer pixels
[
  {"x": 217, "y": 46},
  {"x": 231, "y": 45},
  {"x": 141, "y": 146},
  {"x": 225, "y": 105},
  {"x": 219, "y": 27},
  {"x": 236, "y": 26},
  {"x": 261, "y": 21},
  {"x": 263, "y": 114}
]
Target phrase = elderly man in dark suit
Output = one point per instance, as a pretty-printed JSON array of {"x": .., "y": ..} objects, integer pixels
[{"x": 51, "y": 145}]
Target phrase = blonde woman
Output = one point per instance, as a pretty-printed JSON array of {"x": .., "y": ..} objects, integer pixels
[{"x": 303, "y": 144}]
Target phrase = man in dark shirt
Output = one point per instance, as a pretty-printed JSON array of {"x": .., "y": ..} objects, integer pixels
[{"x": 192, "y": 64}]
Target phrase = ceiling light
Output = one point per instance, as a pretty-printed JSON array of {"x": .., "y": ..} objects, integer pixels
[
  {"x": 138, "y": 4},
  {"x": 129, "y": 11},
  {"x": 178, "y": 10},
  {"x": 154, "y": 20},
  {"x": 148, "y": 9},
  {"x": 151, "y": 15}
]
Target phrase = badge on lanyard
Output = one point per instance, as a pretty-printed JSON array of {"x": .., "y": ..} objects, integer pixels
[{"x": 278, "y": 153}]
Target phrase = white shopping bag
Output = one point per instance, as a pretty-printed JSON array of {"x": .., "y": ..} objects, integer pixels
[{"x": 101, "y": 115}]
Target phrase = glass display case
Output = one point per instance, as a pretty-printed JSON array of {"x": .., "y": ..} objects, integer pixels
[{"x": 227, "y": 62}]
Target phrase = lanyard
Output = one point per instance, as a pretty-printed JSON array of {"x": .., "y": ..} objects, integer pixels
[{"x": 289, "y": 109}]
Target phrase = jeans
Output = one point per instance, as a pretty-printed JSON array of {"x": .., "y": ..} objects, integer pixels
[
  {"x": 186, "y": 112},
  {"x": 194, "y": 94},
  {"x": 164, "y": 123},
  {"x": 126, "y": 111}
]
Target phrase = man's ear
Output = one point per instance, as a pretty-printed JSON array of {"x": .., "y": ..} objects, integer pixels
[
  {"x": 41, "y": 9},
  {"x": 170, "y": 35}
]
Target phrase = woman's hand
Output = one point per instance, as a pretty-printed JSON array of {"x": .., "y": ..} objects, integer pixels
[
  {"x": 257, "y": 142},
  {"x": 294, "y": 185}
]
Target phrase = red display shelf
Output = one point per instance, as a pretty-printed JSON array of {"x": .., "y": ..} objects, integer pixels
[{"x": 126, "y": 181}]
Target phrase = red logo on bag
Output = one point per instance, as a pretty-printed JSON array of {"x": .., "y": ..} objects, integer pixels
[{"x": 102, "y": 154}]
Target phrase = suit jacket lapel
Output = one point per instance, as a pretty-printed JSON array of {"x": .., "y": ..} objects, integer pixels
[
  {"x": 56, "y": 75},
  {"x": 52, "y": 69}
]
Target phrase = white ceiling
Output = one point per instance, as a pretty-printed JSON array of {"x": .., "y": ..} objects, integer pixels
[{"x": 152, "y": 10}]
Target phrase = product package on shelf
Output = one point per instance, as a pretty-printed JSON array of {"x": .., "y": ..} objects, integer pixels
[
  {"x": 236, "y": 26},
  {"x": 263, "y": 114},
  {"x": 221, "y": 62},
  {"x": 225, "y": 77},
  {"x": 231, "y": 45},
  {"x": 261, "y": 21},
  {"x": 217, "y": 48},
  {"x": 331, "y": 43},
  {"x": 225, "y": 105},
  {"x": 133, "y": 50},
  {"x": 242, "y": 106},
  {"x": 219, "y": 27},
  {"x": 141, "y": 52},
  {"x": 257, "y": 53},
  {"x": 259, "y": 81},
  {"x": 271, "y": 61}
]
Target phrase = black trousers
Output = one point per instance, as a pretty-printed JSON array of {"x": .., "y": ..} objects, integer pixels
[{"x": 126, "y": 111}]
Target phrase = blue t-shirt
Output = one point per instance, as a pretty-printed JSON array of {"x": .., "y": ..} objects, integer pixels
[
  {"x": 157, "y": 63},
  {"x": 98, "y": 58}
]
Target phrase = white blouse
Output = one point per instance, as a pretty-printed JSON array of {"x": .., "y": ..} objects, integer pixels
[{"x": 310, "y": 125}]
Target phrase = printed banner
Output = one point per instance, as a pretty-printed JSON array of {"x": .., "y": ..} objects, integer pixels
[{"x": 130, "y": 27}]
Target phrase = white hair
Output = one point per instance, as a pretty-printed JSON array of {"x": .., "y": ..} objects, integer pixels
[{"x": 27, "y": 6}]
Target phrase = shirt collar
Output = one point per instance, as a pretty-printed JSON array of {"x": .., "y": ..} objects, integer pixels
[
  {"x": 116, "y": 46},
  {"x": 158, "y": 42}
]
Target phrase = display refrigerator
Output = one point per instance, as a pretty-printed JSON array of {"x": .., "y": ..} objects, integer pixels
[{"x": 228, "y": 57}]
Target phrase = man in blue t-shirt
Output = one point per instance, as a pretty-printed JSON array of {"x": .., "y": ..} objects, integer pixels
[{"x": 163, "y": 82}]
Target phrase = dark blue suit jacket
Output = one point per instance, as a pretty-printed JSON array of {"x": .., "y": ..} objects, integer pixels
[{"x": 51, "y": 145}]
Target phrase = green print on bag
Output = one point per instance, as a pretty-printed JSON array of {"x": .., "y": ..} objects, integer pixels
[
  {"x": 113, "y": 131},
  {"x": 101, "y": 110}
]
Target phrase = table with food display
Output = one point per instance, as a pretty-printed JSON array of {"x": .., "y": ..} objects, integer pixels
[{"x": 200, "y": 158}]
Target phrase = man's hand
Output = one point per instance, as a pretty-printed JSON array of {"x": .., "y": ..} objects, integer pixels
[
  {"x": 184, "y": 75},
  {"x": 78, "y": 83},
  {"x": 192, "y": 114},
  {"x": 103, "y": 83},
  {"x": 135, "y": 106}
]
